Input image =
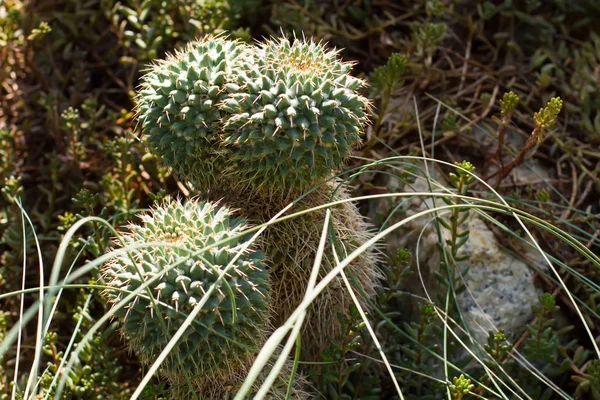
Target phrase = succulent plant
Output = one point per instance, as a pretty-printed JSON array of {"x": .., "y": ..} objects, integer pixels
[
  {"x": 233, "y": 322},
  {"x": 244, "y": 121},
  {"x": 296, "y": 117},
  {"x": 291, "y": 246},
  {"x": 293, "y": 256},
  {"x": 281, "y": 115},
  {"x": 177, "y": 106}
]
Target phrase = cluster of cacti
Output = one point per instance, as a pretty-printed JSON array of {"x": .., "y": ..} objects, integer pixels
[
  {"x": 252, "y": 126},
  {"x": 276, "y": 116}
]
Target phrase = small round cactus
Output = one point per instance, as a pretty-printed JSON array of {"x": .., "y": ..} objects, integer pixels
[
  {"x": 177, "y": 105},
  {"x": 221, "y": 336},
  {"x": 296, "y": 117}
]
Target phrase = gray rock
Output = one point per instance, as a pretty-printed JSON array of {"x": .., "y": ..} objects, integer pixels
[{"x": 500, "y": 289}]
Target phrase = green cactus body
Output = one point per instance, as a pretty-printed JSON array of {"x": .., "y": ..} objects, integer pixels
[
  {"x": 296, "y": 117},
  {"x": 279, "y": 116},
  {"x": 219, "y": 337},
  {"x": 177, "y": 106}
]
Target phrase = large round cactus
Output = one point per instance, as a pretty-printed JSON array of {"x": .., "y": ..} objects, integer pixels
[
  {"x": 233, "y": 322},
  {"x": 296, "y": 117}
]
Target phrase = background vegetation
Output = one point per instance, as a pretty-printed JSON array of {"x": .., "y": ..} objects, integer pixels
[{"x": 439, "y": 72}]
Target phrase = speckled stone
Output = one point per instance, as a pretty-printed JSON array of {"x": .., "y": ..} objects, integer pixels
[{"x": 500, "y": 289}]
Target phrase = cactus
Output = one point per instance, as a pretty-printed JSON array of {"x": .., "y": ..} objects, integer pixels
[
  {"x": 291, "y": 246},
  {"x": 219, "y": 337},
  {"x": 282, "y": 115},
  {"x": 177, "y": 106},
  {"x": 296, "y": 117}
]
